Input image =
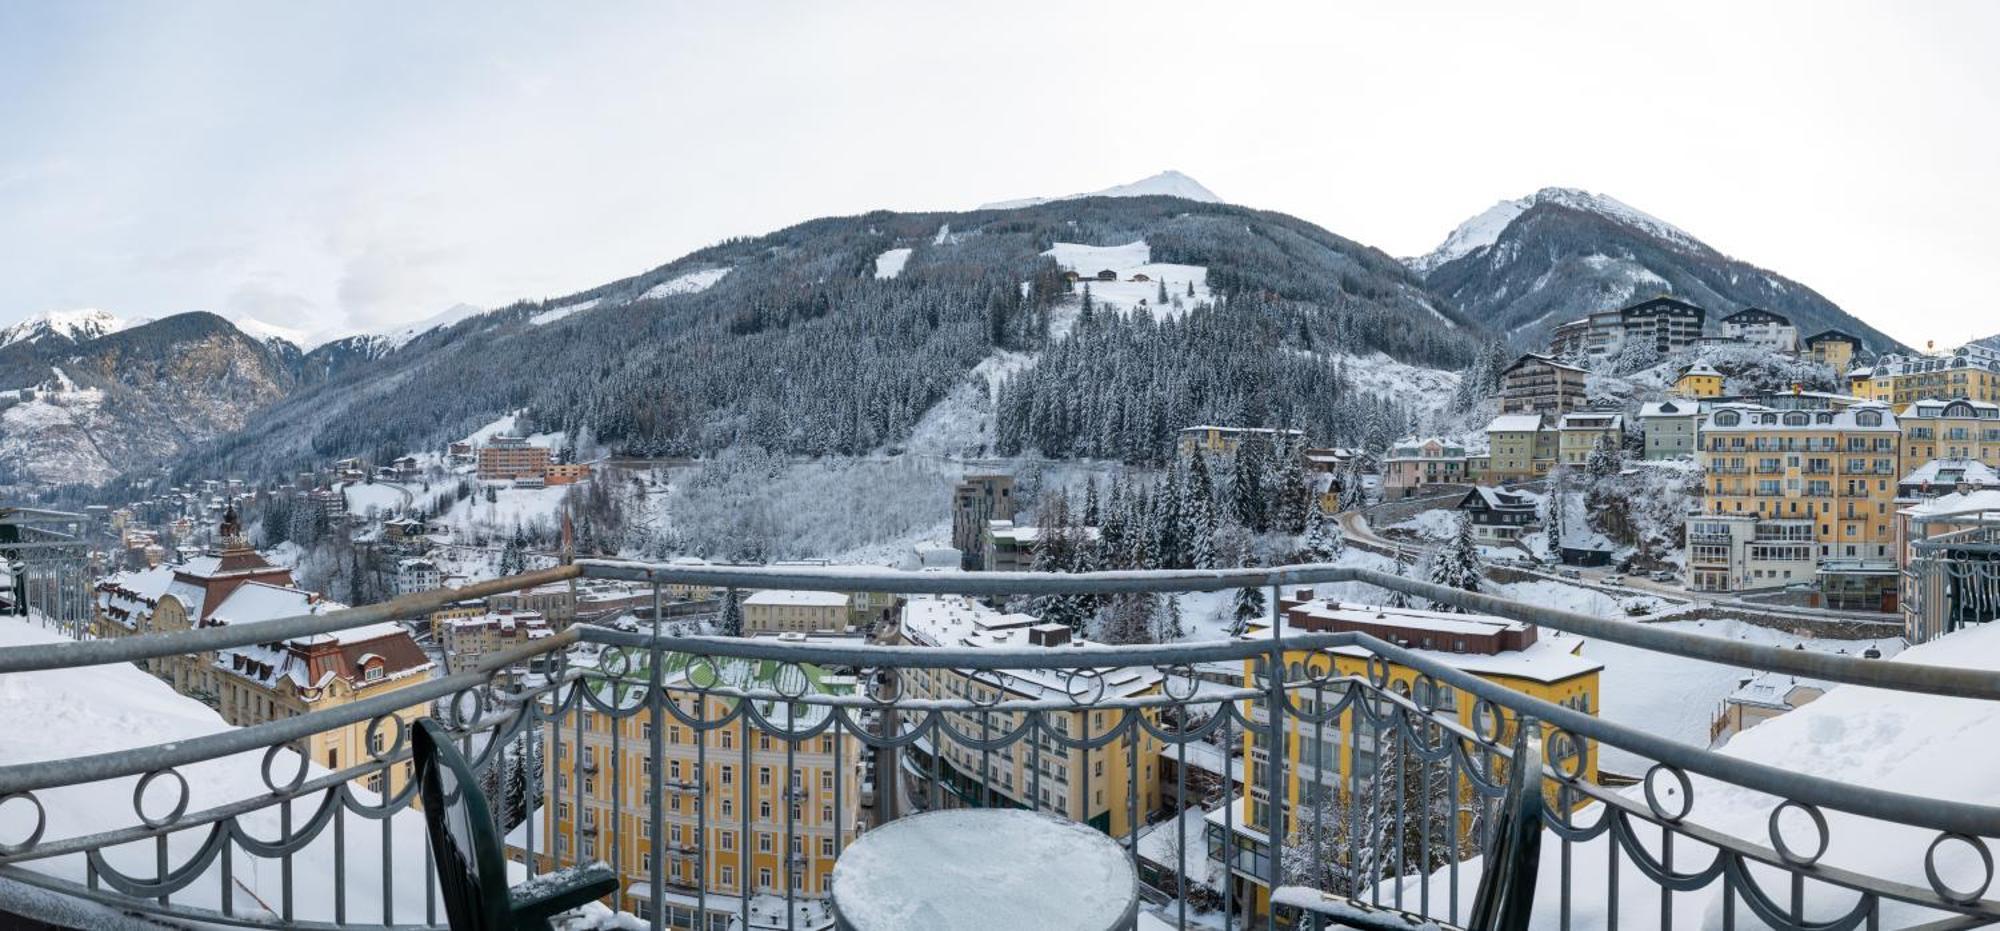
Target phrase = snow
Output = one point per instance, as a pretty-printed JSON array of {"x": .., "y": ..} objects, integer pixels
[
  {"x": 1132, "y": 258},
  {"x": 690, "y": 283},
  {"x": 1169, "y": 183},
  {"x": 890, "y": 264},
  {"x": 476, "y": 517},
  {"x": 1484, "y": 229},
  {"x": 82, "y": 324},
  {"x": 1477, "y": 233},
  {"x": 1384, "y": 377},
  {"x": 1435, "y": 524},
  {"x": 264, "y": 330},
  {"x": 547, "y": 317},
  {"x": 778, "y": 597},
  {"x": 989, "y": 868},
  {"x": 397, "y": 338},
  {"x": 961, "y": 422},
  {"x": 381, "y": 498},
  {"x": 101, "y": 709},
  {"x": 1924, "y": 745}
]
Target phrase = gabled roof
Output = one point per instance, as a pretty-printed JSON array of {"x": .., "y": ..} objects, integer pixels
[
  {"x": 1545, "y": 360},
  {"x": 1756, "y": 314},
  {"x": 1515, "y": 423},
  {"x": 1701, "y": 368},
  {"x": 1668, "y": 409}
]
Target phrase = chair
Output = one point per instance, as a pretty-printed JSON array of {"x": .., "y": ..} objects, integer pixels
[
  {"x": 1506, "y": 894},
  {"x": 472, "y": 873}
]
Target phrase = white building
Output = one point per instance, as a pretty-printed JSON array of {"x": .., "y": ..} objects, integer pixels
[
  {"x": 1761, "y": 327},
  {"x": 776, "y": 611},
  {"x": 418, "y": 575}
]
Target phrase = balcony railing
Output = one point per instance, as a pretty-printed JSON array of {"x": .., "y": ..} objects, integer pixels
[{"x": 1424, "y": 750}]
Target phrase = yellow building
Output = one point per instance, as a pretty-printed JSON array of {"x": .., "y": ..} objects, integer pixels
[
  {"x": 1581, "y": 432},
  {"x": 1701, "y": 380},
  {"x": 123, "y": 604},
  {"x": 1833, "y": 349},
  {"x": 463, "y": 609},
  {"x": 1094, "y": 786},
  {"x": 1826, "y": 479},
  {"x": 1211, "y": 440},
  {"x": 1519, "y": 656},
  {"x": 743, "y": 819},
  {"x": 779, "y": 611},
  {"x": 1520, "y": 448},
  {"x": 1939, "y": 429},
  {"x": 1900, "y": 380},
  {"x": 256, "y": 684},
  {"x": 469, "y": 641}
]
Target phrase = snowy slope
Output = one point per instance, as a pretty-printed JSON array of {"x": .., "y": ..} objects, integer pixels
[
  {"x": 1169, "y": 183},
  {"x": 1128, "y": 260},
  {"x": 1484, "y": 229},
  {"x": 76, "y": 325},
  {"x": 890, "y": 264},
  {"x": 1474, "y": 234},
  {"x": 402, "y": 335},
  {"x": 691, "y": 283}
]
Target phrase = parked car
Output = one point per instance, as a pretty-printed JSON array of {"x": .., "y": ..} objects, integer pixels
[
  {"x": 1665, "y": 575},
  {"x": 1569, "y": 573}
]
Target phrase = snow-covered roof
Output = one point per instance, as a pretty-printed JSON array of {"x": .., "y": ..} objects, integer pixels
[
  {"x": 1515, "y": 423},
  {"x": 1951, "y": 472},
  {"x": 252, "y": 602},
  {"x": 1592, "y": 420},
  {"x": 1968, "y": 503},
  {"x": 959, "y": 621},
  {"x": 1866, "y": 416},
  {"x": 1965, "y": 408},
  {"x": 778, "y": 597},
  {"x": 1668, "y": 409},
  {"x": 1775, "y": 691},
  {"x": 1701, "y": 369}
]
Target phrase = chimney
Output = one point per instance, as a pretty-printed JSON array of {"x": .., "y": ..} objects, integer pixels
[{"x": 1048, "y": 635}]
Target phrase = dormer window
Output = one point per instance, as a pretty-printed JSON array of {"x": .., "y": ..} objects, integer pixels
[{"x": 372, "y": 673}]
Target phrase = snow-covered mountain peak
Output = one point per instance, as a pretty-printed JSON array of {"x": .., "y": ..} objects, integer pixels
[
  {"x": 1170, "y": 183},
  {"x": 77, "y": 325},
  {"x": 1485, "y": 228},
  {"x": 1615, "y": 210},
  {"x": 399, "y": 336}
]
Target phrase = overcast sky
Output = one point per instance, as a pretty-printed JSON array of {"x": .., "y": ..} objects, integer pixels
[{"x": 333, "y": 167}]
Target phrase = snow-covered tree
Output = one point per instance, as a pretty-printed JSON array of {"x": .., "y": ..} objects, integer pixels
[
  {"x": 730, "y": 624},
  {"x": 1606, "y": 459},
  {"x": 1172, "y": 626},
  {"x": 1396, "y": 598},
  {"x": 1250, "y": 605},
  {"x": 1324, "y": 541},
  {"x": 1457, "y": 564}
]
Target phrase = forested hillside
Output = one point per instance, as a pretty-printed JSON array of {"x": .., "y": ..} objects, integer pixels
[{"x": 800, "y": 342}]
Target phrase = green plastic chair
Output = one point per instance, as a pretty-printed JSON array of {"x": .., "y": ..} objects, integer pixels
[{"x": 472, "y": 872}]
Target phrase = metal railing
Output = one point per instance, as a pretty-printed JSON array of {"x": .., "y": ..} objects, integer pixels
[{"x": 1407, "y": 753}]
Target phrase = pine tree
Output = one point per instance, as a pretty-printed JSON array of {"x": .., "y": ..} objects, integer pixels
[
  {"x": 1172, "y": 626},
  {"x": 1396, "y": 598},
  {"x": 1457, "y": 564},
  {"x": 1552, "y": 520},
  {"x": 730, "y": 624},
  {"x": 1605, "y": 459},
  {"x": 1353, "y": 489},
  {"x": 1248, "y": 495},
  {"x": 1324, "y": 541},
  {"x": 1162, "y": 299},
  {"x": 1250, "y": 605}
]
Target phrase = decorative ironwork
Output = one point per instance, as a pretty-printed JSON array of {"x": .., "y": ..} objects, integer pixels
[{"x": 1374, "y": 782}]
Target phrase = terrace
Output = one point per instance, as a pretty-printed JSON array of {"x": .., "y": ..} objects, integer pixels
[{"x": 305, "y": 847}]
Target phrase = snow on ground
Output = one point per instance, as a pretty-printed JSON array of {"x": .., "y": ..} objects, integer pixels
[
  {"x": 1929, "y": 746},
  {"x": 691, "y": 283},
  {"x": 101, "y": 709},
  {"x": 476, "y": 517},
  {"x": 550, "y": 316},
  {"x": 961, "y": 423},
  {"x": 381, "y": 498},
  {"x": 1434, "y": 524},
  {"x": 1133, "y": 258},
  {"x": 1379, "y": 375},
  {"x": 890, "y": 264},
  {"x": 457, "y": 312},
  {"x": 53, "y": 432}
]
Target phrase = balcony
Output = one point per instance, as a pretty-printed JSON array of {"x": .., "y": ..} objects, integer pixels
[{"x": 304, "y": 847}]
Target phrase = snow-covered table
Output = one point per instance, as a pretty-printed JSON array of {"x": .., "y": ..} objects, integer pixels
[{"x": 984, "y": 868}]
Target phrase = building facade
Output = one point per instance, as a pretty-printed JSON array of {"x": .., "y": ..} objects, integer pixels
[
  {"x": 1538, "y": 384},
  {"x": 1091, "y": 786},
  {"x": 974, "y": 501},
  {"x": 1826, "y": 479},
  {"x": 1413, "y": 464},
  {"x": 779, "y": 611},
  {"x": 1670, "y": 428},
  {"x": 1323, "y": 759},
  {"x": 1583, "y": 431},
  {"x": 508, "y": 458},
  {"x": 1760, "y": 327},
  {"x": 1956, "y": 429},
  {"x": 1904, "y": 380},
  {"x": 1520, "y": 447},
  {"x": 1833, "y": 349},
  {"x": 732, "y": 793}
]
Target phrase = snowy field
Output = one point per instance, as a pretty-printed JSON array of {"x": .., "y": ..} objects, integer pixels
[
  {"x": 690, "y": 283},
  {"x": 961, "y": 423},
  {"x": 477, "y": 518},
  {"x": 1134, "y": 258},
  {"x": 890, "y": 264}
]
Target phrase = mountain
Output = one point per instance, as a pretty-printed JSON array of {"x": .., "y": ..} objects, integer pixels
[
  {"x": 84, "y": 411},
  {"x": 1524, "y": 266},
  {"x": 68, "y": 326},
  {"x": 1168, "y": 183},
  {"x": 330, "y": 359},
  {"x": 838, "y": 336}
]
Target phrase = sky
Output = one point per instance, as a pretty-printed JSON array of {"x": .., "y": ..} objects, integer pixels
[{"x": 330, "y": 168}]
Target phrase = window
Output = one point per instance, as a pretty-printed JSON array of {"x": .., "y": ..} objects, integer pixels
[{"x": 373, "y": 673}]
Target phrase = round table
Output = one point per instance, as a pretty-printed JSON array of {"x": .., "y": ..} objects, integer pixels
[{"x": 984, "y": 868}]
